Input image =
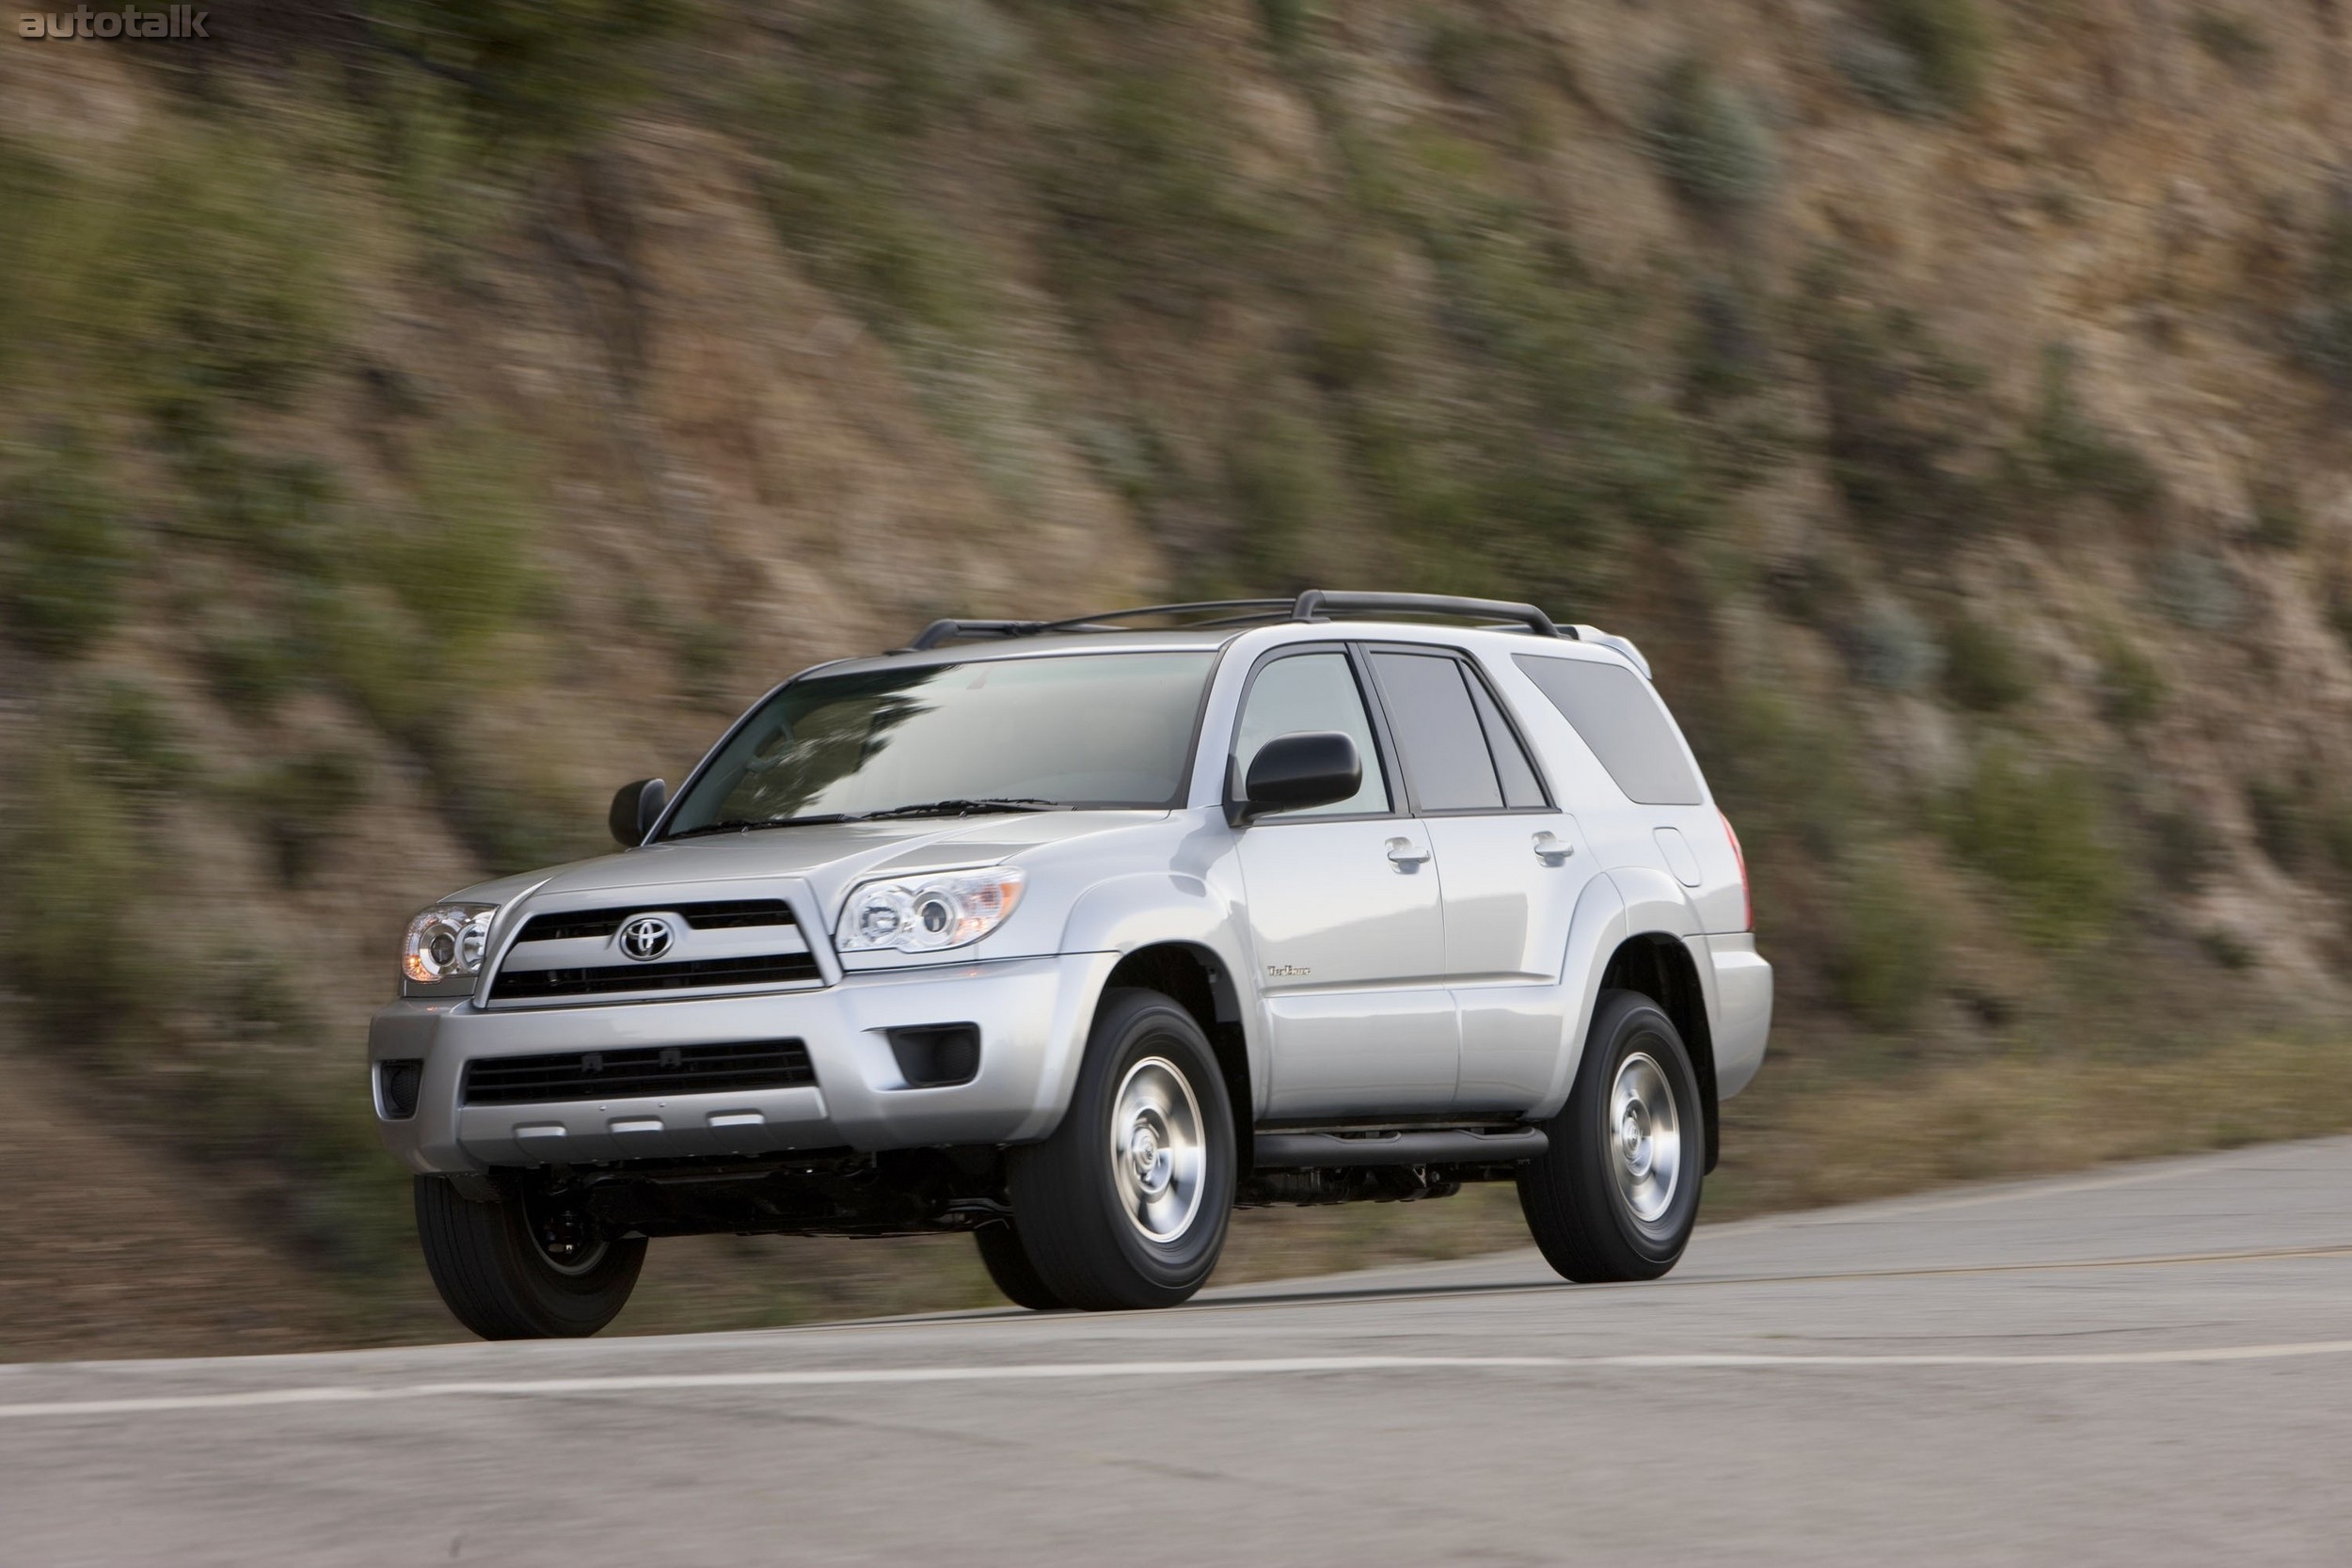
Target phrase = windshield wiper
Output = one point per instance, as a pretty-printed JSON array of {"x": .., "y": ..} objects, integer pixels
[
  {"x": 964, "y": 808},
  {"x": 745, "y": 824}
]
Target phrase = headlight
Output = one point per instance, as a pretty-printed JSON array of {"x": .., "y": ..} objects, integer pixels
[
  {"x": 925, "y": 914},
  {"x": 446, "y": 944}
]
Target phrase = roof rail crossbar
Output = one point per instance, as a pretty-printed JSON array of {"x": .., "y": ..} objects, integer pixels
[
  {"x": 947, "y": 630},
  {"x": 1201, "y": 607},
  {"x": 1315, "y": 604},
  {"x": 1318, "y": 604},
  {"x": 950, "y": 630}
]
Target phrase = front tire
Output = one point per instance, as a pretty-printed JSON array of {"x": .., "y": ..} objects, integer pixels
[
  {"x": 518, "y": 1269},
  {"x": 1010, "y": 1269},
  {"x": 1127, "y": 1203},
  {"x": 1617, "y": 1194}
]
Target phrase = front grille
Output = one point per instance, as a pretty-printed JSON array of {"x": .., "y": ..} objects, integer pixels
[
  {"x": 765, "y": 968},
  {"x": 637, "y": 1071},
  {"x": 730, "y": 914}
]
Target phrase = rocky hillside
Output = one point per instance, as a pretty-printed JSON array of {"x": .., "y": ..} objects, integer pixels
[{"x": 422, "y": 416}]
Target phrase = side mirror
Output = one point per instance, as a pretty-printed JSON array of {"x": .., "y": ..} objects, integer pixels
[
  {"x": 1292, "y": 772},
  {"x": 636, "y": 807}
]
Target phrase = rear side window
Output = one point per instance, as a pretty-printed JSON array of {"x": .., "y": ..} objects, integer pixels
[
  {"x": 1458, "y": 754},
  {"x": 1611, "y": 708}
]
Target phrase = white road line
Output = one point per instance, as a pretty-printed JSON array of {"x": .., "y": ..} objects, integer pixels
[{"x": 1082, "y": 1371}]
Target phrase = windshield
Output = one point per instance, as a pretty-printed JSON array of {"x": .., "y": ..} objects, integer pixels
[{"x": 1068, "y": 730}]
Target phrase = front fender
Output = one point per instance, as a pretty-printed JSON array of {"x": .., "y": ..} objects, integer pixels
[{"x": 1147, "y": 909}]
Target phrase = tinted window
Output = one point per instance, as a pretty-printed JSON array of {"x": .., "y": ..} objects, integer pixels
[
  {"x": 1437, "y": 735},
  {"x": 1312, "y": 692},
  {"x": 1519, "y": 789},
  {"x": 1080, "y": 730},
  {"x": 1614, "y": 709}
]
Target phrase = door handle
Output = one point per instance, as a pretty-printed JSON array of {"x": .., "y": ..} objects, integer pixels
[
  {"x": 1551, "y": 849},
  {"x": 1404, "y": 854}
]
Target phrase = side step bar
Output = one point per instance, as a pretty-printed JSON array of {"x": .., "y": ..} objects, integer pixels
[{"x": 1446, "y": 1146}]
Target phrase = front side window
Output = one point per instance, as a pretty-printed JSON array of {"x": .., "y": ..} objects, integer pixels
[
  {"x": 1312, "y": 692},
  {"x": 1102, "y": 730}
]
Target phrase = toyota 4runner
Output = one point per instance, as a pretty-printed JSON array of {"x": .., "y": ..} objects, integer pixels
[{"x": 1078, "y": 936}]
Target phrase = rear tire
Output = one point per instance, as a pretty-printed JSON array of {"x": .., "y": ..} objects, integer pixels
[
  {"x": 1617, "y": 1194},
  {"x": 513, "y": 1271},
  {"x": 1126, "y": 1204},
  {"x": 1008, "y": 1266}
]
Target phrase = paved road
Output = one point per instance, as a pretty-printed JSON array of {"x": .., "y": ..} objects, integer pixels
[{"x": 2148, "y": 1364}]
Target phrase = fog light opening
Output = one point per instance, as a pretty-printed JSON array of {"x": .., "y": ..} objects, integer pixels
[
  {"x": 397, "y": 1086},
  {"x": 937, "y": 1055}
]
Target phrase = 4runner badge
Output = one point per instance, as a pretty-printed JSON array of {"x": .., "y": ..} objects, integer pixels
[{"x": 647, "y": 937}]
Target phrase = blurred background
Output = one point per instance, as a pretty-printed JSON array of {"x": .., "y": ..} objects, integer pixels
[{"x": 418, "y": 416}]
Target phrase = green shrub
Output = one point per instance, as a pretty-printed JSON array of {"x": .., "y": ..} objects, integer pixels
[
  {"x": 1710, "y": 141},
  {"x": 1282, "y": 472},
  {"x": 2227, "y": 948},
  {"x": 2040, "y": 832},
  {"x": 2131, "y": 688},
  {"x": 462, "y": 557},
  {"x": 2278, "y": 520},
  {"x": 1889, "y": 646},
  {"x": 64, "y": 551},
  {"x": 1885, "y": 73},
  {"x": 1950, "y": 40},
  {"x": 216, "y": 283},
  {"x": 2199, "y": 589},
  {"x": 78, "y": 868},
  {"x": 133, "y": 747},
  {"x": 2182, "y": 850},
  {"x": 298, "y": 802},
  {"x": 1285, "y": 21},
  {"x": 1983, "y": 669},
  {"x": 252, "y": 663},
  {"x": 2077, "y": 456},
  {"x": 1889, "y": 956},
  {"x": 1148, "y": 206},
  {"x": 550, "y": 71},
  {"x": 1906, "y": 419},
  {"x": 2282, "y": 822},
  {"x": 1461, "y": 51},
  {"x": 2321, "y": 327},
  {"x": 2232, "y": 40}
]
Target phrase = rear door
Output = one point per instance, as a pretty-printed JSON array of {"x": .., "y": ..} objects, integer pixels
[
  {"x": 1344, "y": 913},
  {"x": 1513, "y": 867}
]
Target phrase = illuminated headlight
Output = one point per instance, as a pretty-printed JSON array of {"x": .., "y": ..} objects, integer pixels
[
  {"x": 445, "y": 943},
  {"x": 925, "y": 914}
]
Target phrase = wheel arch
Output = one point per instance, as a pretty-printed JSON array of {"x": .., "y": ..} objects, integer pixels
[
  {"x": 1199, "y": 980},
  {"x": 1661, "y": 967}
]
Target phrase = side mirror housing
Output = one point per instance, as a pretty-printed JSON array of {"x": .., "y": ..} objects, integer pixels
[
  {"x": 1293, "y": 773},
  {"x": 636, "y": 807}
]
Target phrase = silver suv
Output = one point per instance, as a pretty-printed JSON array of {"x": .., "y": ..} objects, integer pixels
[{"x": 1078, "y": 937}]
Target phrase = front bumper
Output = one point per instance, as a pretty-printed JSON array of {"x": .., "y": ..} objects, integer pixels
[{"x": 1032, "y": 1013}]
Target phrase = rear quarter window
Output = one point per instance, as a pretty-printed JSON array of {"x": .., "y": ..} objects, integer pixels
[{"x": 1618, "y": 716}]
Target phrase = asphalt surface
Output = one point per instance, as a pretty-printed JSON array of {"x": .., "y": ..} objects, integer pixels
[{"x": 2147, "y": 1364}]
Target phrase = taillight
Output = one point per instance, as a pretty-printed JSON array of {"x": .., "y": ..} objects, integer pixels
[{"x": 1747, "y": 904}]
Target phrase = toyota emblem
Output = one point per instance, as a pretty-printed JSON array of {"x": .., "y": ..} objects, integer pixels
[{"x": 647, "y": 936}]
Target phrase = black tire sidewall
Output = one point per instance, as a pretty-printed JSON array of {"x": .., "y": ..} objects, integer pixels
[
  {"x": 1087, "y": 1251},
  {"x": 491, "y": 1272},
  {"x": 1631, "y": 1022},
  {"x": 569, "y": 1304}
]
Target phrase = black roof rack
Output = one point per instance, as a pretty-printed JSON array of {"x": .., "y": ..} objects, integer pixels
[{"x": 1315, "y": 604}]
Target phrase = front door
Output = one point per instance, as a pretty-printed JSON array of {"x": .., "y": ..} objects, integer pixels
[{"x": 1344, "y": 913}]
